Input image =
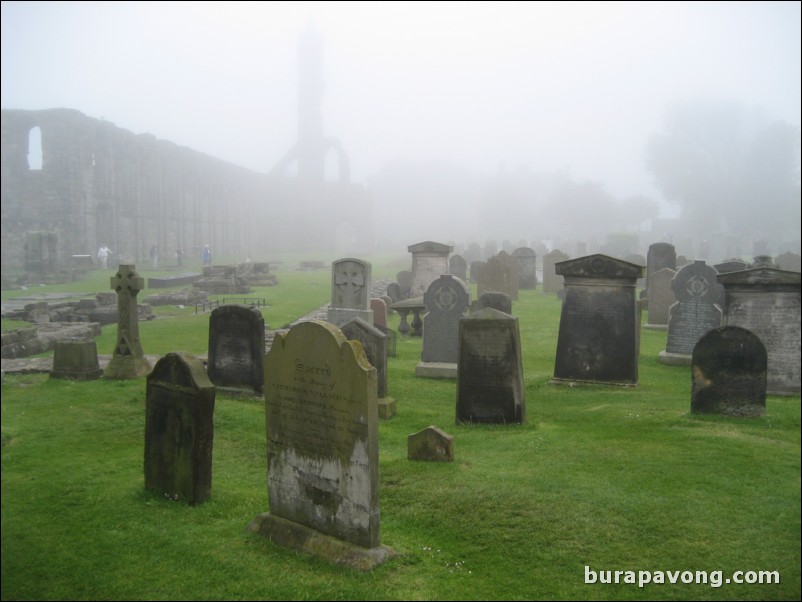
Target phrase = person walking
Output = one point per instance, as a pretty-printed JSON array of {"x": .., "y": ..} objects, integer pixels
[{"x": 103, "y": 256}]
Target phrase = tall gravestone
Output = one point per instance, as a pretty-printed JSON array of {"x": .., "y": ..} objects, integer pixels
[
  {"x": 128, "y": 361},
  {"x": 179, "y": 429},
  {"x": 429, "y": 262},
  {"x": 512, "y": 269},
  {"x": 552, "y": 282},
  {"x": 350, "y": 291},
  {"x": 404, "y": 280},
  {"x": 490, "y": 382},
  {"x": 476, "y": 269},
  {"x": 766, "y": 301},
  {"x": 729, "y": 373},
  {"x": 598, "y": 337},
  {"x": 496, "y": 275},
  {"x": 237, "y": 348},
  {"x": 527, "y": 267},
  {"x": 661, "y": 255},
  {"x": 322, "y": 447},
  {"x": 661, "y": 298},
  {"x": 374, "y": 343},
  {"x": 695, "y": 312},
  {"x": 457, "y": 266},
  {"x": 446, "y": 300}
]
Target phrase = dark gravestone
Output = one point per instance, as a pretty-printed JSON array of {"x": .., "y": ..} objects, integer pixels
[
  {"x": 490, "y": 384},
  {"x": 496, "y": 276},
  {"x": 598, "y": 339},
  {"x": 527, "y": 267},
  {"x": 766, "y": 301},
  {"x": 552, "y": 282},
  {"x": 237, "y": 347},
  {"x": 476, "y": 269},
  {"x": 498, "y": 301},
  {"x": 695, "y": 312},
  {"x": 446, "y": 301},
  {"x": 430, "y": 444},
  {"x": 660, "y": 255},
  {"x": 404, "y": 280},
  {"x": 661, "y": 298},
  {"x": 76, "y": 359},
  {"x": 374, "y": 343},
  {"x": 128, "y": 361},
  {"x": 457, "y": 266},
  {"x": 179, "y": 429},
  {"x": 729, "y": 373},
  {"x": 322, "y": 426},
  {"x": 394, "y": 292}
]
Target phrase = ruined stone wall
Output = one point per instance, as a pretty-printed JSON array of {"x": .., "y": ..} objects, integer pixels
[{"x": 100, "y": 183}]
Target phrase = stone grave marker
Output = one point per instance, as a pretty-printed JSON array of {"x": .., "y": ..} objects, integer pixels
[
  {"x": 379, "y": 308},
  {"x": 76, "y": 359},
  {"x": 661, "y": 298},
  {"x": 431, "y": 444},
  {"x": 766, "y": 301},
  {"x": 660, "y": 255},
  {"x": 446, "y": 300},
  {"x": 552, "y": 282},
  {"x": 598, "y": 337},
  {"x": 729, "y": 373},
  {"x": 476, "y": 269},
  {"x": 694, "y": 313},
  {"x": 321, "y": 416},
  {"x": 457, "y": 266},
  {"x": 495, "y": 276},
  {"x": 527, "y": 267},
  {"x": 350, "y": 291},
  {"x": 429, "y": 262},
  {"x": 179, "y": 429},
  {"x": 404, "y": 280},
  {"x": 496, "y": 300},
  {"x": 237, "y": 348},
  {"x": 512, "y": 271},
  {"x": 490, "y": 383},
  {"x": 374, "y": 343},
  {"x": 128, "y": 361}
]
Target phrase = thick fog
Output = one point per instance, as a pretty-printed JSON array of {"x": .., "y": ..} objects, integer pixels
[{"x": 466, "y": 121}]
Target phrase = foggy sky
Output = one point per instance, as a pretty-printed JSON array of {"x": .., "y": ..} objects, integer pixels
[{"x": 576, "y": 86}]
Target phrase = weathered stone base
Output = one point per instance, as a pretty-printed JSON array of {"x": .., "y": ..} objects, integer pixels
[
  {"x": 575, "y": 382},
  {"x": 436, "y": 370},
  {"x": 126, "y": 368},
  {"x": 387, "y": 407},
  {"x": 656, "y": 326},
  {"x": 90, "y": 374},
  {"x": 303, "y": 539},
  {"x": 674, "y": 359}
]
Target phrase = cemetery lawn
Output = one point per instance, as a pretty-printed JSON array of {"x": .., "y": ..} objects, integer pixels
[{"x": 598, "y": 479}]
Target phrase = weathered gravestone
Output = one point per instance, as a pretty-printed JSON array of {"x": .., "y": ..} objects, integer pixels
[
  {"x": 76, "y": 359},
  {"x": 457, "y": 266},
  {"x": 496, "y": 300},
  {"x": 695, "y": 312},
  {"x": 430, "y": 444},
  {"x": 446, "y": 300},
  {"x": 660, "y": 255},
  {"x": 179, "y": 429},
  {"x": 322, "y": 447},
  {"x": 128, "y": 361},
  {"x": 237, "y": 348},
  {"x": 598, "y": 338},
  {"x": 476, "y": 269},
  {"x": 766, "y": 301},
  {"x": 661, "y": 298},
  {"x": 512, "y": 270},
  {"x": 374, "y": 343},
  {"x": 404, "y": 280},
  {"x": 496, "y": 275},
  {"x": 429, "y": 261},
  {"x": 350, "y": 291},
  {"x": 553, "y": 282},
  {"x": 490, "y": 383},
  {"x": 731, "y": 265},
  {"x": 379, "y": 308},
  {"x": 527, "y": 267},
  {"x": 729, "y": 373}
]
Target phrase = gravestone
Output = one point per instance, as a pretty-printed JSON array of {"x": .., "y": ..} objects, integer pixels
[
  {"x": 731, "y": 265},
  {"x": 429, "y": 262},
  {"x": 476, "y": 269},
  {"x": 729, "y": 373},
  {"x": 491, "y": 248},
  {"x": 128, "y": 361},
  {"x": 512, "y": 270},
  {"x": 374, "y": 343},
  {"x": 350, "y": 291},
  {"x": 660, "y": 255},
  {"x": 598, "y": 338},
  {"x": 473, "y": 253},
  {"x": 321, "y": 417},
  {"x": 394, "y": 292},
  {"x": 694, "y": 313},
  {"x": 661, "y": 298},
  {"x": 431, "y": 444},
  {"x": 237, "y": 348},
  {"x": 527, "y": 267},
  {"x": 490, "y": 382},
  {"x": 496, "y": 300},
  {"x": 179, "y": 429},
  {"x": 76, "y": 359},
  {"x": 496, "y": 276},
  {"x": 379, "y": 308},
  {"x": 457, "y": 266},
  {"x": 766, "y": 301},
  {"x": 553, "y": 282},
  {"x": 446, "y": 300}
]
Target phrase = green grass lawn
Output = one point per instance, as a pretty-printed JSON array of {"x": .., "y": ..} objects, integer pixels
[{"x": 614, "y": 479}]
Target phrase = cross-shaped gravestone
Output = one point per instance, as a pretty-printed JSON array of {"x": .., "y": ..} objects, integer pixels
[{"x": 128, "y": 360}]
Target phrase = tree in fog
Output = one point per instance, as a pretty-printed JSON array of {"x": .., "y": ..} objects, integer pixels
[{"x": 731, "y": 169}]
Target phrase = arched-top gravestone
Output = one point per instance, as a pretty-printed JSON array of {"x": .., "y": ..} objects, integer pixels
[
  {"x": 457, "y": 266},
  {"x": 237, "y": 347},
  {"x": 446, "y": 301},
  {"x": 729, "y": 373},
  {"x": 660, "y": 255},
  {"x": 350, "y": 291},
  {"x": 661, "y": 298},
  {"x": 598, "y": 338},
  {"x": 527, "y": 267}
]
